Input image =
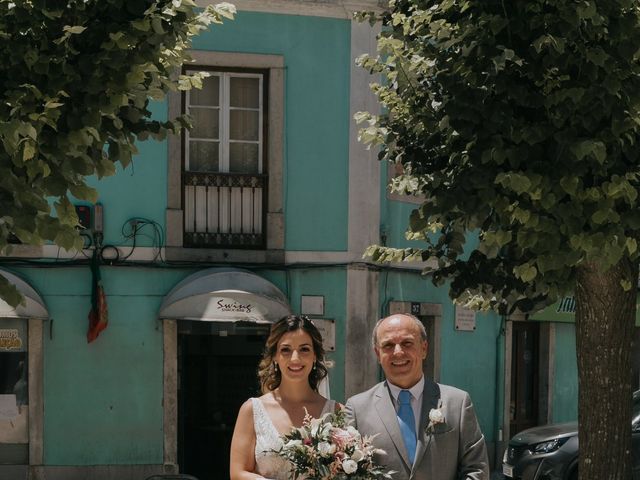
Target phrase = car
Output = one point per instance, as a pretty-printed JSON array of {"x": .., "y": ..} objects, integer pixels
[{"x": 550, "y": 452}]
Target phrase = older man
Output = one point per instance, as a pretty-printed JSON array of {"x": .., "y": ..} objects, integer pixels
[{"x": 429, "y": 431}]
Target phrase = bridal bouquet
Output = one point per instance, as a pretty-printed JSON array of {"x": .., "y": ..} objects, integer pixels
[{"x": 327, "y": 448}]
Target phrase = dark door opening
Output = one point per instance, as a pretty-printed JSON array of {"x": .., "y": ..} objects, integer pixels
[
  {"x": 524, "y": 376},
  {"x": 217, "y": 373},
  {"x": 429, "y": 363}
]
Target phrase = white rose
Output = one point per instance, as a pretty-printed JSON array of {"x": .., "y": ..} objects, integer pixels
[
  {"x": 436, "y": 416},
  {"x": 315, "y": 424},
  {"x": 293, "y": 443},
  {"x": 349, "y": 466},
  {"x": 325, "y": 448},
  {"x": 353, "y": 432},
  {"x": 357, "y": 455}
]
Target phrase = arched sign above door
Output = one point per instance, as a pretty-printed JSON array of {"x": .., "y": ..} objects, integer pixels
[
  {"x": 33, "y": 306},
  {"x": 225, "y": 295}
]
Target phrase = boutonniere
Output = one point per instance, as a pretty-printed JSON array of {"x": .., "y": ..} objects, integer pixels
[{"x": 436, "y": 416}]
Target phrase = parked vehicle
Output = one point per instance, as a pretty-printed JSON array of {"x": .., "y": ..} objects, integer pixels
[{"x": 550, "y": 452}]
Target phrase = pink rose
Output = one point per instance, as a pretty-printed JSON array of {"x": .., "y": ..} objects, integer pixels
[{"x": 341, "y": 437}]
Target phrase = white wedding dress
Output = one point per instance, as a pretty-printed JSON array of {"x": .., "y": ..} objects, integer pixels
[{"x": 268, "y": 463}]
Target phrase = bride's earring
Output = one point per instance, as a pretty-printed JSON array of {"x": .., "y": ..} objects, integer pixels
[
  {"x": 275, "y": 367},
  {"x": 314, "y": 366}
]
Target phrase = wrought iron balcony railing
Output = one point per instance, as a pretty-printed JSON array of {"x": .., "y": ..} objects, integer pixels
[{"x": 224, "y": 210}]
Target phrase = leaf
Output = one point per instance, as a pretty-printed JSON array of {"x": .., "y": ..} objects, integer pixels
[
  {"x": 77, "y": 29},
  {"x": 28, "y": 150},
  {"x": 517, "y": 182},
  {"x": 142, "y": 25},
  {"x": 224, "y": 9},
  {"x": 156, "y": 24},
  {"x": 526, "y": 272},
  {"x": 69, "y": 239},
  {"x": 66, "y": 211},
  {"x": 590, "y": 147},
  {"x": 600, "y": 216},
  {"x": 84, "y": 192},
  {"x": 10, "y": 294},
  {"x": 570, "y": 184},
  {"x": 52, "y": 104},
  {"x": 599, "y": 152}
]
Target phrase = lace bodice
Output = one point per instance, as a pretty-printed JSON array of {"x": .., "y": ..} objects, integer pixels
[{"x": 268, "y": 463}]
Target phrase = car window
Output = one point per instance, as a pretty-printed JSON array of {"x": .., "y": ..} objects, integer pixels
[{"x": 636, "y": 409}]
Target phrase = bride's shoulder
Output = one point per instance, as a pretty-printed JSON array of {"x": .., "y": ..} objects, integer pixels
[
  {"x": 247, "y": 406},
  {"x": 267, "y": 399}
]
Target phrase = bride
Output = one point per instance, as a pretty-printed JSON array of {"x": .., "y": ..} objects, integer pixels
[{"x": 291, "y": 368}]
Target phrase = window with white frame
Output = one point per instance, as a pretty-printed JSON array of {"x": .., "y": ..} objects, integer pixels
[
  {"x": 214, "y": 210},
  {"x": 225, "y": 181},
  {"x": 227, "y": 134}
]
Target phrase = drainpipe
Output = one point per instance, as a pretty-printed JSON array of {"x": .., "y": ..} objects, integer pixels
[{"x": 496, "y": 403}]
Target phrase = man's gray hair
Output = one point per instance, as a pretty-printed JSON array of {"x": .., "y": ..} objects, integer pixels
[{"x": 416, "y": 320}]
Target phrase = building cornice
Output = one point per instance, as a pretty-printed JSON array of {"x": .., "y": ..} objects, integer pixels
[{"x": 315, "y": 8}]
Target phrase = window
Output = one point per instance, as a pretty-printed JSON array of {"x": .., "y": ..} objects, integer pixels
[
  {"x": 225, "y": 174},
  {"x": 224, "y": 185},
  {"x": 14, "y": 392},
  {"x": 227, "y": 116}
]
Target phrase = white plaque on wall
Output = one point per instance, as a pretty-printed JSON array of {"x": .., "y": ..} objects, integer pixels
[
  {"x": 465, "y": 319},
  {"x": 327, "y": 329}
]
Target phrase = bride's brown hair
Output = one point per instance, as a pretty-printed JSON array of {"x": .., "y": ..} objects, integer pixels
[{"x": 268, "y": 374}]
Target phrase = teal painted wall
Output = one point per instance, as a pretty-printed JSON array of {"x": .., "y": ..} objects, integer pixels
[
  {"x": 394, "y": 222},
  {"x": 139, "y": 190},
  {"x": 467, "y": 359},
  {"x": 316, "y": 144},
  {"x": 317, "y": 61},
  {"x": 565, "y": 385},
  {"x": 332, "y": 284},
  {"x": 103, "y": 401}
]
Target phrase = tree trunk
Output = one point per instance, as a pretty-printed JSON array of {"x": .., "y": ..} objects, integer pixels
[{"x": 605, "y": 317}]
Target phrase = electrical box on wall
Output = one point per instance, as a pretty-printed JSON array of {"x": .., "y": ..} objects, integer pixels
[
  {"x": 98, "y": 225},
  {"x": 84, "y": 216},
  {"x": 90, "y": 218}
]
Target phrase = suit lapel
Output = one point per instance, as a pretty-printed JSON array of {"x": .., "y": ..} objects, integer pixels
[
  {"x": 387, "y": 413},
  {"x": 430, "y": 398}
]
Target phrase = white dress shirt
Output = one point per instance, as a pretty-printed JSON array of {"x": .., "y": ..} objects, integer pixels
[{"x": 416, "y": 398}]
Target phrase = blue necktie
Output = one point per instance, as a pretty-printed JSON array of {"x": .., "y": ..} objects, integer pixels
[{"x": 407, "y": 423}]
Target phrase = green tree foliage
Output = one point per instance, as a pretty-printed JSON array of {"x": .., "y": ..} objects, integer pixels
[
  {"x": 519, "y": 123},
  {"x": 77, "y": 78}
]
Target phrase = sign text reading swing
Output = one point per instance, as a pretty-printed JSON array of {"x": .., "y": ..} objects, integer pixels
[{"x": 233, "y": 306}]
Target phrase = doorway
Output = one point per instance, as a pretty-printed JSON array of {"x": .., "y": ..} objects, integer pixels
[
  {"x": 14, "y": 388},
  {"x": 217, "y": 365},
  {"x": 525, "y": 356},
  {"x": 431, "y": 364}
]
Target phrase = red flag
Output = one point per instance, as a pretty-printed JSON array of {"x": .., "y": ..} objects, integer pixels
[{"x": 98, "y": 316}]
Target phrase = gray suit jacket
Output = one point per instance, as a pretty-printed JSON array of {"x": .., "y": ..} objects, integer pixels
[{"x": 453, "y": 450}]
